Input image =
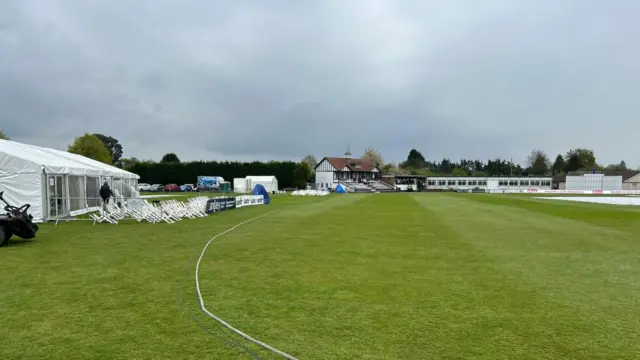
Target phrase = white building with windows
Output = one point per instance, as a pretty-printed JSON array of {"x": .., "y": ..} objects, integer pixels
[
  {"x": 488, "y": 183},
  {"x": 330, "y": 170}
]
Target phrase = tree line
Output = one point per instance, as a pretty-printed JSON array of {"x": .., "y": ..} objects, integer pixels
[
  {"x": 537, "y": 163},
  {"x": 187, "y": 172},
  {"x": 297, "y": 174},
  {"x": 170, "y": 169}
]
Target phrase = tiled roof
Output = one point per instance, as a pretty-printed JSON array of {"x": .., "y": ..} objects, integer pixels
[
  {"x": 340, "y": 163},
  {"x": 626, "y": 175}
]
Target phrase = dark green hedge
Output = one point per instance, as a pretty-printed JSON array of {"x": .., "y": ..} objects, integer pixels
[{"x": 188, "y": 172}]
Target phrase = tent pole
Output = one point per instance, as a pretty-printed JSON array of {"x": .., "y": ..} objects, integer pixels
[
  {"x": 66, "y": 195},
  {"x": 45, "y": 197},
  {"x": 84, "y": 184}
]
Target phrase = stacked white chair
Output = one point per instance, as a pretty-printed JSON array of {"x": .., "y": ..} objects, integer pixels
[
  {"x": 116, "y": 212},
  {"x": 103, "y": 216},
  {"x": 151, "y": 213},
  {"x": 167, "y": 211},
  {"x": 197, "y": 205}
]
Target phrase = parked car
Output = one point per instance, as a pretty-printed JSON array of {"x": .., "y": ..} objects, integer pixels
[
  {"x": 144, "y": 187},
  {"x": 172, "y": 187},
  {"x": 156, "y": 187},
  {"x": 186, "y": 187}
]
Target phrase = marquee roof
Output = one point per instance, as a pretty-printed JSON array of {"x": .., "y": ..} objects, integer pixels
[{"x": 19, "y": 158}]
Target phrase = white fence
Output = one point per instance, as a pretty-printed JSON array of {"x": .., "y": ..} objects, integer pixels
[{"x": 594, "y": 182}]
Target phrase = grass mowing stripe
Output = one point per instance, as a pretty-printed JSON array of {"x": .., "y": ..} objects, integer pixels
[
  {"x": 365, "y": 286},
  {"x": 213, "y": 331},
  {"x": 375, "y": 277},
  {"x": 223, "y": 332},
  {"x": 623, "y": 218},
  {"x": 298, "y": 214},
  {"x": 583, "y": 311},
  {"x": 224, "y": 323}
]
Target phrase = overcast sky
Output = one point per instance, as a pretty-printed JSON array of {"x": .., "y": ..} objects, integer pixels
[{"x": 275, "y": 79}]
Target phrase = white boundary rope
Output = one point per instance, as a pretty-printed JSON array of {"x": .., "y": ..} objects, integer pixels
[{"x": 224, "y": 323}]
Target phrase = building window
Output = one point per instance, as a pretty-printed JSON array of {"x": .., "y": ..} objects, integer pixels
[
  {"x": 482, "y": 182},
  {"x": 546, "y": 182},
  {"x": 442, "y": 183},
  {"x": 462, "y": 182},
  {"x": 524, "y": 182},
  {"x": 431, "y": 182},
  {"x": 473, "y": 182},
  {"x": 451, "y": 182},
  {"x": 502, "y": 183},
  {"x": 513, "y": 182},
  {"x": 535, "y": 182}
]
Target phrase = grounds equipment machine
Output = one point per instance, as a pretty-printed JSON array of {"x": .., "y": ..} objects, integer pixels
[{"x": 16, "y": 221}]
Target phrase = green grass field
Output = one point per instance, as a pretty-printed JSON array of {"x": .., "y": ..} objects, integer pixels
[{"x": 373, "y": 276}]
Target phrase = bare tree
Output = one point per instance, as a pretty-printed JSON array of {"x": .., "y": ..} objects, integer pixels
[
  {"x": 373, "y": 155},
  {"x": 311, "y": 161}
]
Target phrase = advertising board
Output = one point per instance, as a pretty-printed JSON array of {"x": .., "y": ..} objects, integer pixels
[
  {"x": 208, "y": 182},
  {"x": 220, "y": 204},
  {"x": 224, "y": 203}
]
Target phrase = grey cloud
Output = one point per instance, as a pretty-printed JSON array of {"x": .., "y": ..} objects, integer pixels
[{"x": 280, "y": 79}]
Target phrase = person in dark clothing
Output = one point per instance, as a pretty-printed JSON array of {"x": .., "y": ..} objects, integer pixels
[{"x": 105, "y": 193}]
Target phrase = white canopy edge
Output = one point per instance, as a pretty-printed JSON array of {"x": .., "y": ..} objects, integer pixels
[{"x": 19, "y": 158}]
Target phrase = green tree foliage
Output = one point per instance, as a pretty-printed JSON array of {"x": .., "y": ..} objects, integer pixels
[
  {"x": 444, "y": 167},
  {"x": 302, "y": 175},
  {"x": 127, "y": 163},
  {"x": 616, "y": 168},
  {"x": 397, "y": 169},
  {"x": 170, "y": 158},
  {"x": 92, "y": 147},
  {"x": 415, "y": 160},
  {"x": 421, "y": 172},
  {"x": 573, "y": 163},
  {"x": 580, "y": 160},
  {"x": 459, "y": 172},
  {"x": 188, "y": 172},
  {"x": 3, "y": 136},
  {"x": 114, "y": 147},
  {"x": 538, "y": 163},
  {"x": 468, "y": 166},
  {"x": 500, "y": 167},
  {"x": 559, "y": 165},
  {"x": 374, "y": 156}
]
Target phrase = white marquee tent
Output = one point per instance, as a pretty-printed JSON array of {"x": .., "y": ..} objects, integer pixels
[
  {"x": 270, "y": 183},
  {"x": 57, "y": 183}
]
